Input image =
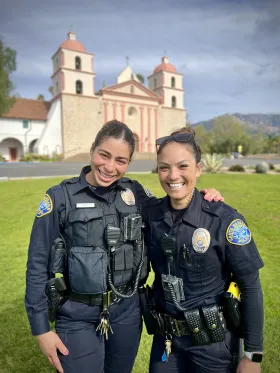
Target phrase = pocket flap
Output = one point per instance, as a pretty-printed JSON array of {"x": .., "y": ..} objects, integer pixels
[{"x": 85, "y": 214}]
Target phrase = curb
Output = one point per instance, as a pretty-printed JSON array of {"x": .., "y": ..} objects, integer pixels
[{"x": 6, "y": 178}]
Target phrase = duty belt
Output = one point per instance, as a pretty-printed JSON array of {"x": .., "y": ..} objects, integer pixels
[
  {"x": 204, "y": 325},
  {"x": 97, "y": 299}
]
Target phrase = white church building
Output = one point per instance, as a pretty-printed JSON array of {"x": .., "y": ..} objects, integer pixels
[{"x": 68, "y": 124}]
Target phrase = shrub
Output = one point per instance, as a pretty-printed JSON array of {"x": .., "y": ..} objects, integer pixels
[
  {"x": 262, "y": 168},
  {"x": 212, "y": 162},
  {"x": 33, "y": 157},
  {"x": 271, "y": 166},
  {"x": 2, "y": 159},
  {"x": 237, "y": 168}
]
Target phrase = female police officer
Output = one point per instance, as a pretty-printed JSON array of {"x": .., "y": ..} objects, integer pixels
[
  {"x": 89, "y": 229},
  {"x": 195, "y": 247}
]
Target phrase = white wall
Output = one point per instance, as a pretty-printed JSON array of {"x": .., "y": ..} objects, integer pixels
[
  {"x": 50, "y": 141},
  {"x": 13, "y": 129},
  {"x": 70, "y": 78},
  {"x": 70, "y": 58}
]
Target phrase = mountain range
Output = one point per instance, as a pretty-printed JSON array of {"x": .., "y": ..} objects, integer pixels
[{"x": 267, "y": 124}]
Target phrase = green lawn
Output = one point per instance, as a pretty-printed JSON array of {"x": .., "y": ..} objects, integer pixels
[{"x": 257, "y": 197}]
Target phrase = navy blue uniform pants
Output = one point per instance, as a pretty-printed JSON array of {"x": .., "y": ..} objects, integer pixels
[
  {"x": 186, "y": 358},
  {"x": 88, "y": 351}
]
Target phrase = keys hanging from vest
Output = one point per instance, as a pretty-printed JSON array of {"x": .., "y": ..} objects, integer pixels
[
  {"x": 104, "y": 326},
  {"x": 167, "y": 350}
]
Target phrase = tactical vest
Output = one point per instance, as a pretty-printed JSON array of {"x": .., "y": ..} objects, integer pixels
[{"x": 88, "y": 254}]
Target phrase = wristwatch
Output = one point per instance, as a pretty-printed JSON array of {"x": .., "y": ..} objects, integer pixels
[{"x": 256, "y": 357}]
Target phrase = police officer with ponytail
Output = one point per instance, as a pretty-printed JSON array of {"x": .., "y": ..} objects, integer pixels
[
  {"x": 202, "y": 253},
  {"x": 87, "y": 259}
]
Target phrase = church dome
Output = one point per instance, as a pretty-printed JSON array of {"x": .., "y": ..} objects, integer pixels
[
  {"x": 72, "y": 44},
  {"x": 165, "y": 66}
]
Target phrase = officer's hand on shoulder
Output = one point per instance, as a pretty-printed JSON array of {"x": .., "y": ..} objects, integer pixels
[
  {"x": 49, "y": 343},
  {"x": 247, "y": 366},
  {"x": 212, "y": 194}
]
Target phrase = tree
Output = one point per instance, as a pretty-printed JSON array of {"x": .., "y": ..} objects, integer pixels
[
  {"x": 228, "y": 134},
  {"x": 51, "y": 90},
  {"x": 203, "y": 138},
  {"x": 141, "y": 78},
  {"x": 7, "y": 66},
  {"x": 41, "y": 97}
]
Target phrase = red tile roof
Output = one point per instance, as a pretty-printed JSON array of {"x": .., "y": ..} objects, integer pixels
[{"x": 28, "y": 109}]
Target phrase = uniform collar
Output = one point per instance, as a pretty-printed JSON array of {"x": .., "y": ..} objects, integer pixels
[
  {"x": 192, "y": 214},
  {"x": 83, "y": 184}
]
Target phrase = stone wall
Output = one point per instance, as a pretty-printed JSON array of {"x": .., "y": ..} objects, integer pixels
[{"x": 82, "y": 118}]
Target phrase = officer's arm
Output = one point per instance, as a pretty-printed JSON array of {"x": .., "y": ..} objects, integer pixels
[
  {"x": 252, "y": 311},
  {"x": 45, "y": 230},
  {"x": 143, "y": 197},
  {"x": 244, "y": 262}
]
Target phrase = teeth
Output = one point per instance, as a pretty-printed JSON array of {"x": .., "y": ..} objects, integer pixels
[
  {"x": 176, "y": 186},
  {"x": 104, "y": 175}
]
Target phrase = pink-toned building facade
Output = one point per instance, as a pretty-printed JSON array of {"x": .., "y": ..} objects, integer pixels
[{"x": 77, "y": 111}]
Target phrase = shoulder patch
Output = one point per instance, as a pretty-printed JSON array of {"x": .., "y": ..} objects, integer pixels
[
  {"x": 148, "y": 192},
  {"x": 238, "y": 233},
  {"x": 45, "y": 207}
]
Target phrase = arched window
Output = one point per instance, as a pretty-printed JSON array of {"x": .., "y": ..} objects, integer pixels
[
  {"x": 173, "y": 101},
  {"x": 79, "y": 87},
  {"x": 173, "y": 82},
  {"x": 78, "y": 63},
  {"x": 155, "y": 83}
]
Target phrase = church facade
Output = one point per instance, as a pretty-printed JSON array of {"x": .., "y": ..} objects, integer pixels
[{"x": 68, "y": 124}]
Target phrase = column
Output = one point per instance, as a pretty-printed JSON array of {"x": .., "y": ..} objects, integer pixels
[
  {"x": 141, "y": 129},
  {"x": 114, "y": 110},
  {"x": 156, "y": 124},
  {"x": 150, "y": 146},
  {"x": 105, "y": 112},
  {"x": 123, "y": 113}
]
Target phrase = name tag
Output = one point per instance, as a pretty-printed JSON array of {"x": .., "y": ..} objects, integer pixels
[{"x": 84, "y": 205}]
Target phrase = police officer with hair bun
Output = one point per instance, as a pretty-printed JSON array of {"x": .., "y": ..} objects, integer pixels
[
  {"x": 203, "y": 256},
  {"x": 86, "y": 261}
]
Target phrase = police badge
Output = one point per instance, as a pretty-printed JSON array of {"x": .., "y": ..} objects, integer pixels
[
  {"x": 128, "y": 197},
  {"x": 201, "y": 240}
]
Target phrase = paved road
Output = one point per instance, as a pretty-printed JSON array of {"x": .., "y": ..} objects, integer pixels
[{"x": 14, "y": 170}]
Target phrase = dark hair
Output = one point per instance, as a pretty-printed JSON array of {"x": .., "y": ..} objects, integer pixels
[
  {"x": 191, "y": 144},
  {"x": 117, "y": 130}
]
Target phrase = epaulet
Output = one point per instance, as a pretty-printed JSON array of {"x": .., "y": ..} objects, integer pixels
[
  {"x": 73, "y": 180},
  {"x": 220, "y": 209},
  {"x": 126, "y": 180}
]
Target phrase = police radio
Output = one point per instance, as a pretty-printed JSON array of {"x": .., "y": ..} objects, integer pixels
[{"x": 172, "y": 285}]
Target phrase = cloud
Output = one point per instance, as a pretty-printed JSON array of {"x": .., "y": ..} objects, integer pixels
[{"x": 228, "y": 51}]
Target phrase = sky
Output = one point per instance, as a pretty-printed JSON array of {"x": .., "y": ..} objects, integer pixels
[{"x": 228, "y": 50}]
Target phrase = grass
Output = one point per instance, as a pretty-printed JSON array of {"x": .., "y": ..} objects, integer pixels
[{"x": 255, "y": 196}]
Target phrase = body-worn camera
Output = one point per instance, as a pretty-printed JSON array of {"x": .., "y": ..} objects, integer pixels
[
  {"x": 132, "y": 227},
  {"x": 172, "y": 284}
]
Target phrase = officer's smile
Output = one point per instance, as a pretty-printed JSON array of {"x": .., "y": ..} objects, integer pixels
[
  {"x": 106, "y": 176},
  {"x": 174, "y": 186}
]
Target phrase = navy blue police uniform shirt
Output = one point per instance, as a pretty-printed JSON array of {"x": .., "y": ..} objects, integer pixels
[
  {"x": 48, "y": 224},
  {"x": 206, "y": 274}
]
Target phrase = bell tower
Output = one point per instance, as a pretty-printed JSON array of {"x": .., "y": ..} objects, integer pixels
[
  {"x": 73, "y": 69},
  {"x": 167, "y": 83}
]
